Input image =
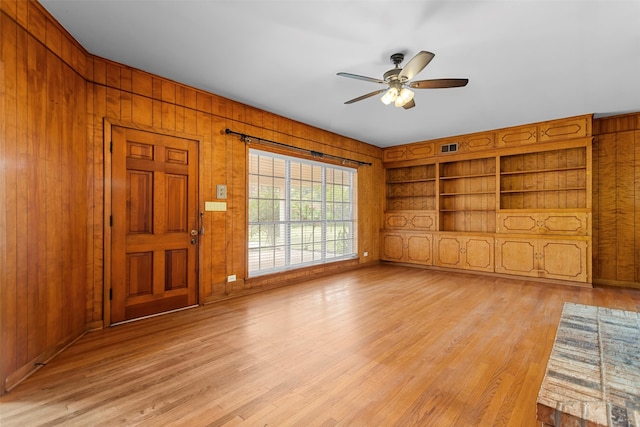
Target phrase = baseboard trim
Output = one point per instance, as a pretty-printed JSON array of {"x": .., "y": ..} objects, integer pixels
[{"x": 38, "y": 362}]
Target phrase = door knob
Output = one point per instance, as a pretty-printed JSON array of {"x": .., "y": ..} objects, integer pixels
[{"x": 194, "y": 233}]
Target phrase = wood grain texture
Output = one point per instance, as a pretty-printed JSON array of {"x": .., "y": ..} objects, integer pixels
[
  {"x": 636, "y": 179},
  {"x": 56, "y": 97},
  {"x": 616, "y": 184},
  {"x": 384, "y": 345},
  {"x": 44, "y": 281}
]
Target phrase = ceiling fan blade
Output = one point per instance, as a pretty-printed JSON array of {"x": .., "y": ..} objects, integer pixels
[
  {"x": 438, "y": 83},
  {"x": 369, "y": 95},
  {"x": 409, "y": 104},
  {"x": 365, "y": 78},
  {"x": 415, "y": 65}
]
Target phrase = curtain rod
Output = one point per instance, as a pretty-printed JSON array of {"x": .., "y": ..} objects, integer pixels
[{"x": 247, "y": 139}]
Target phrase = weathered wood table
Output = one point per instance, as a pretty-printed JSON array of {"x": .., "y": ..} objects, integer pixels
[{"x": 593, "y": 373}]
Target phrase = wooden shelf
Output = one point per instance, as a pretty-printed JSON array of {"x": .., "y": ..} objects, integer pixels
[
  {"x": 467, "y": 210},
  {"x": 554, "y": 179},
  {"x": 468, "y": 190},
  {"x": 534, "y": 171},
  {"x": 415, "y": 196},
  {"x": 412, "y": 180},
  {"x": 474, "y": 193},
  {"x": 484, "y": 175},
  {"x": 543, "y": 190}
]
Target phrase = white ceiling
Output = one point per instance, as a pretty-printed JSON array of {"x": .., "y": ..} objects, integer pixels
[{"x": 526, "y": 60}]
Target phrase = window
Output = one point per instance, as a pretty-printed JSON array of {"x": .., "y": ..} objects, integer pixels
[{"x": 301, "y": 213}]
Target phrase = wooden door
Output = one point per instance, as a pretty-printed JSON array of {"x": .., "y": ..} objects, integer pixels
[{"x": 154, "y": 223}]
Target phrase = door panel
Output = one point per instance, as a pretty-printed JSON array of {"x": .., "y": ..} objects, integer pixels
[
  {"x": 154, "y": 209},
  {"x": 448, "y": 252},
  {"x": 516, "y": 256},
  {"x": 392, "y": 247},
  {"x": 479, "y": 253},
  {"x": 565, "y": 260},
  {"x": 419, "y": 249}
]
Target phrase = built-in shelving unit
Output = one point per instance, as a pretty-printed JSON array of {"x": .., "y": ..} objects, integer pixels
[
  {"x": 515, "y": 201},
  {"x": 554, "y": 179},
  {"x": 468, "y": 195},
  {"x": 411, "y": 188}
]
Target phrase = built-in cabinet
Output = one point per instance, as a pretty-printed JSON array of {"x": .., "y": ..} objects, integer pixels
[
  {"x": 514, "y": 201},
  {"x": 543, "y": 257},
  {"x": 413, "y": 248},
  {"x": 469, "y": 252}
]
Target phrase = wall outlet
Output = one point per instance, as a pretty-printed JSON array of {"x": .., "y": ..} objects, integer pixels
[
  {"x": 221, "y": 191},
  {"x": 365, "y": 253},
  {"x": 231, "y": 278}
]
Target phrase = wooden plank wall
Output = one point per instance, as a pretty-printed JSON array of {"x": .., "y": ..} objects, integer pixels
[
  {"x": 56, "y": 97},
  {"x": 43, "y": 259},
  {"x": 616, "y": 200}
]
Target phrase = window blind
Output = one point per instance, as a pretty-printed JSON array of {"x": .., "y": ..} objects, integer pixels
[{"x": 301, "y": 212}]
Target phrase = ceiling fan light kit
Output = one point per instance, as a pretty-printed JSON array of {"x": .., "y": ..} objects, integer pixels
[
  {"x": 404, "y": 97},
  {"x": 390, "y": 96},
  {"x": 399, "y": 81}
]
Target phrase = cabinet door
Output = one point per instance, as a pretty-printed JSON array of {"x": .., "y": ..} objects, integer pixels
[
  {"x": 468, "y": 252},
  {"x": 478, "y": 253},
  {"x": 419, "y": 249},
  {"x": 413, "y": 248},
  {"x": 516, "y": 256},
  {"x": 448, "y": 252},
  {"x": 520, "y": 222},
  {"x": 564, "y": 259},
  {"x": 392, "y": 247},
  {"x": 562, "y": 223},
  {"x": 559, "y": 223},
  {"x": 410, "y": 220},
  {"x": 549, "y": 258}
]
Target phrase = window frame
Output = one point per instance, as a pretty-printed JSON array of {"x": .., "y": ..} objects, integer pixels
[{"x": 332, "y": 246}]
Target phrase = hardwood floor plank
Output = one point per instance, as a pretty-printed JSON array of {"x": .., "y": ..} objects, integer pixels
[{"x": 383, "y": 345}]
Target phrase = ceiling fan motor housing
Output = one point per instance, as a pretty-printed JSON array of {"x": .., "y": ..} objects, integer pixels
[
  {"x": 391, "y": 75},
  {"x": 397, "y": 58}
]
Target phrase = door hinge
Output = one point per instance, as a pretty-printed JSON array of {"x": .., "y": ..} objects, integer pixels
[
  {"x": 111, "y": 147},
  {"x": 110, "y": 220},
  {"x": 110, "y": 294}
]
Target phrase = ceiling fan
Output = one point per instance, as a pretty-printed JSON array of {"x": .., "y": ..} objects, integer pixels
[{"x": 398, "y": 81}]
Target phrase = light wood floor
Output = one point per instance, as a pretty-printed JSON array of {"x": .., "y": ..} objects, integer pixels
[{"x": 380, "y": 346}]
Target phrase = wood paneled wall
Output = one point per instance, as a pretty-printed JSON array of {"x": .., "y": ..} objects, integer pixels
[
  {"x": 56, "y": 99},
  {"x": 45, "y": 202},
  {"x": 616, "y": 200}
]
